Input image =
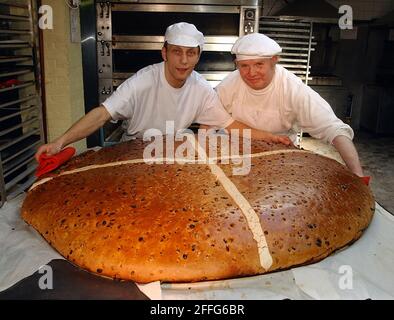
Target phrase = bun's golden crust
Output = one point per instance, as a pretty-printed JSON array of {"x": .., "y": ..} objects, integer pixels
[{"x": 177, "y": 223}]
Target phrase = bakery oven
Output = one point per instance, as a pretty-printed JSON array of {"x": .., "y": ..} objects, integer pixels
[{"x": 130, "y": 35}]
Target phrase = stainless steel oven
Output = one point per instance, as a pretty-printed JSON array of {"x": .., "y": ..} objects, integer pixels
[{"x": 130, "y": 35}]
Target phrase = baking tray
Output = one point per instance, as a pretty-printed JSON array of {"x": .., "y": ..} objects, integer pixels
[{"x": 72, "y": 283}]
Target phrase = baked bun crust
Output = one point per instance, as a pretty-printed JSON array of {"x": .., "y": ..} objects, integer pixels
[{"x": 178, "y": 222}]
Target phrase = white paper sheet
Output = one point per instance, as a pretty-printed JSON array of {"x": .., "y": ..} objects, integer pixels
[
  {"x": 22, "y": 249},
  {"x": 151, "y": 290},
  {"x": 370, "y": 260}
]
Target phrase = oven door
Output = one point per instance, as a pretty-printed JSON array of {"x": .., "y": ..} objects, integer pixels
[{"x": 215, "y": 62}]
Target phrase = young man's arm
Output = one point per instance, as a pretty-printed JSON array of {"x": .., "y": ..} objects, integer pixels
[
  {"x": 259, "y": 134},
  {"x": 255, "y": 134},
  {"x": 85, "y": 126},
  {"x": 349, "y": 154}
]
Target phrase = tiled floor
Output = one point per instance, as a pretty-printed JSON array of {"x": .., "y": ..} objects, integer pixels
[{"x": 377, "y": 159}]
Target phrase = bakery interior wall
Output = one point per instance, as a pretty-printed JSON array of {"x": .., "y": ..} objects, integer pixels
[
  {"x": 62, "y": 59},
  {"x": 357, "y": 73},
  {"x": 359, "y": 63}
]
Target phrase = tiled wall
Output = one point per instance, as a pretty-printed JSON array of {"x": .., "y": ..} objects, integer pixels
[{"x": 63, "y": 74}]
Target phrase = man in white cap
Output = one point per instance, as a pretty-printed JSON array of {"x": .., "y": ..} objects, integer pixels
[
  {"x": 266, "y": 96},
  {"x": 166, "y": 91}
]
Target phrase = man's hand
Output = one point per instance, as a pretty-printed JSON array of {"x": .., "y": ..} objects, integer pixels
[
  {"x": 259, "y": 134},
  {"x": 49, "y": 148},
  {"x": 270, "y": 137},
  {"x": 277, "y": 139}
]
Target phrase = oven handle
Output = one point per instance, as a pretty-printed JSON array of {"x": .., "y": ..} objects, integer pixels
[{"x": 175, "y": 8}]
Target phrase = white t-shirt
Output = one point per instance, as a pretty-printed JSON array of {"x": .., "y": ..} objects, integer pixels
[
  {"x": 146, "y": 100},
  {"x": 285, "y": 106}
]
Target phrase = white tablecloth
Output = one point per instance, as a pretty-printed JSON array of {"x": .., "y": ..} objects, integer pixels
[{"x": 363, "y": 270}]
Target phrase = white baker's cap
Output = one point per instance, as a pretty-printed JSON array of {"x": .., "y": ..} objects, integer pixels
[
  {"x": 184, "y": 34},
  {"x": 255, "y": 46}
]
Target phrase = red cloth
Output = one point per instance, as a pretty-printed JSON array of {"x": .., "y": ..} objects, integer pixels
[
  {"x": 366, "y": 179},
  {"x": 49, "y": 163},
  {"x": 9, "y": 83}
]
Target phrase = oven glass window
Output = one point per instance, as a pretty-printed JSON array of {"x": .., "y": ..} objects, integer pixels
[
  {"x": 131, "y": 61},
  {"x": 153, "y": 23},
  {"x": 134, "y": 60},
  {"x": 215, "y": 61}
]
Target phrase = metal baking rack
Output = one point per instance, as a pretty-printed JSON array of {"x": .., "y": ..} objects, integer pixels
[{"x": 21, "y": 121}]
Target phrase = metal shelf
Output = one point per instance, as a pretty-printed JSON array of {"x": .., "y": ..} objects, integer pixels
[
  {"x": 15, "y": 73},
  {"x": 293, "y": 36},
  {"x": 24, "y": 142},
  {"x": 295, "y": 39},
  {"x": 14, "y": 44},
  {"x": 7, "y": 59},
  {"x": 18, "y": 163},
  {"x": 293, "y": 60},
  {"x": 21, "y": 176},
  {"x": 19, "y": 86},
  {"x": 21, "y": 128},
  {"x": 13, "y": 5},
  {"x": 267, "y": 22},
  {"x": 295, "y": 66},
  {"x": 17, "y": 113},
  {"x": 22, "y": 187},
  {"x": 289, "y": 30},
  {"x": 14, "y": 17},
  {"x": 297, "y": 49},
  {"x": 10, "y": 103},
  {"x": 293, "y": 54},
  {"x": 18, "y": 126},
  {"x": 303, "y": 43},
  {"x": 9, "y": 143},
  {"x": 21, "y": 151},
  {"x": 12, "y": 31}
]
